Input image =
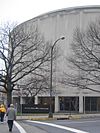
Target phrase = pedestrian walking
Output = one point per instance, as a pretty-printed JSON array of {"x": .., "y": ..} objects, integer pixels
[
  {"x": 2, "y": 112},
  {"x": 11, "y": 114}
]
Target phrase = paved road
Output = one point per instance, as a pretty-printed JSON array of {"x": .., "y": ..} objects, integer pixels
[{"x": 91, "y": 125}]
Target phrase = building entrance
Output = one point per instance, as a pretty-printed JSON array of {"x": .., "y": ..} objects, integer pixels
[{"x": 69, "y": 104}]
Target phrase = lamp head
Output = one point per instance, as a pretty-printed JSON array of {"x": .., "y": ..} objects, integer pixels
[{"x": 62, "y": 38}]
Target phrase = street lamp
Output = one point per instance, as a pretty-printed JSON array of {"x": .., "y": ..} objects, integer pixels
[{"x": 52, "y": 47}]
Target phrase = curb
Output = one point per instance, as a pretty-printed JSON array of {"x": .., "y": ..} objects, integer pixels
[{"x": 56, "y": 118}]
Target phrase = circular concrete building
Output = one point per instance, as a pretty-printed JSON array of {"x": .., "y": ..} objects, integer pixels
[{"x": 54, "y": 25}]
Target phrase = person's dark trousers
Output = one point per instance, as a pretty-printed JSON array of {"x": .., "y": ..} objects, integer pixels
[
  {"x": 2, "y": 116},
  {"x": 10, "y": 125}
]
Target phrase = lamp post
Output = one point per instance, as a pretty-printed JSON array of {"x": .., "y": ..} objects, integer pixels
[
  {"x": 52, "y": 47},
  {"x": 21, "y": 100}
]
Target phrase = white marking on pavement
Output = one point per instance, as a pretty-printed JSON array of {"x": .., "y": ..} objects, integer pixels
[
  {"x": 19, "y": 127},
  {"x": 59, "y": 126}
]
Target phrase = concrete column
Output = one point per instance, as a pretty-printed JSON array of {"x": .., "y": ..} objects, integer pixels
[
  {"x": 56, "y": 104},
  {"x": 36, "y": 99},
  {"x": 23, "y": 100},
  {"x": 80, "y": 104}
]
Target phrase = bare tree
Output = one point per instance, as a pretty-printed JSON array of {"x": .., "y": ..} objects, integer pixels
[
  {"x": 36, "y": 83},
  {"x": 22, "y": 52},
  {"x": 85, "y": 59}
]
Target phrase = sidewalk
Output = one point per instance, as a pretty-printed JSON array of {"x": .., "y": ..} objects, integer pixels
[{"x": 4, "y": 128}]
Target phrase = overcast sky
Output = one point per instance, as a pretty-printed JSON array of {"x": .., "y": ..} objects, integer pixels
[{"x": 22, "y": 10}]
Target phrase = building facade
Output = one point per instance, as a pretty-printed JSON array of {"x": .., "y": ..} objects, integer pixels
[{"x": 52, "y": 26}]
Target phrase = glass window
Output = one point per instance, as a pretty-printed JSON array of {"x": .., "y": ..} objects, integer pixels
[
  {"x": 92, "y": 103},
  {"x": 69, "y": 103}
]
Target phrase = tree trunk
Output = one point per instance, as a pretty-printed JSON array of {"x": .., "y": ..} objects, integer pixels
[
  {"x": 9, "y": 97},
  {"x": 9, "y": 92}
]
